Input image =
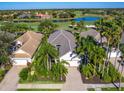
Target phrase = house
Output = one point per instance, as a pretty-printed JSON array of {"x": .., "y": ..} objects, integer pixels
[
  {"x": 96, "y": 35},
  {"x": 24, "y": 16},
  {"x": 93, "y": 33},
  {"x": 64, "y": 41},
  {"x": 26, "y": 45},
  {"x": 43, "y": 16}
]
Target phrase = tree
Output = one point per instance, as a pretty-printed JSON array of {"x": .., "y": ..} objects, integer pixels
[
  {"x": 92, "y": 56},
  {"x": 47, "y": 53},
  {"x": 14, "y": 28},
  {"x": 46, "y": 27},
  {"x": 80, "y": 26},
  {"x": 6, "y": 39},
  {"x": 59, "y": 70}
]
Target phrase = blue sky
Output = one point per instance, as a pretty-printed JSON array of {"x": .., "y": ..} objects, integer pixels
[{"x": 49, "y": 5}]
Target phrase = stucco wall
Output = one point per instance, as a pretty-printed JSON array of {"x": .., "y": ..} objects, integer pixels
[
  {"x": 73, "y": 60},
  {"x": 21, "y": 61}
]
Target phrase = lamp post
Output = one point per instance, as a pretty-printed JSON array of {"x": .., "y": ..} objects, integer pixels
[{"x": 58, "y": 48}]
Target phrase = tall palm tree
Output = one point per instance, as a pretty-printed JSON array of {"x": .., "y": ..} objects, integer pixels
[
  {"x": 59, "y": 70},
  {"x": 99, "y": 27},
  {"x": 47, "y": 53}
]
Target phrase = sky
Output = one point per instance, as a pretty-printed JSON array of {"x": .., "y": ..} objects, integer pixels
[{"x": 53, "y": 5}]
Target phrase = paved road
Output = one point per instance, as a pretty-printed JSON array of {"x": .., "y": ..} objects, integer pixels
[
  {"x": 9, "y": 83},
  {"x": 73, "y": 81}
]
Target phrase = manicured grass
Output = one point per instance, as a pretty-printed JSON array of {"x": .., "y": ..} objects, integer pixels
[
  {"x": 65, "y": 25},
  {"x": 38, "y": 89},
  {"x": 33, "y": 25},
  {"x": 91, "y": 89},
  {"x": 112, "y": 89},
  {"x": 42, "y": 82}
]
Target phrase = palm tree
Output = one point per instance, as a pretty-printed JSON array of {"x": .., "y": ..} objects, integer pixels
[
  {"x": 59, "y": 70},
  {"x": 80, "y": 26},
  {"x": 47, "y": 53},
  {"x": 99, "y": 27}
]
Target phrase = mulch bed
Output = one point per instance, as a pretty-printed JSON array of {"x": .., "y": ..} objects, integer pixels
[{"x": 95, "y": 80}]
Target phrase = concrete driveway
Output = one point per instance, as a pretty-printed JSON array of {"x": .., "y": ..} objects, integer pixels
[
  {"x": 10, "y": 81},
  {"x": 74, "y": 81}
]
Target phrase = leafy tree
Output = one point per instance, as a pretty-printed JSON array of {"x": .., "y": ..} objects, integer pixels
[
  {"x": 46, "y": 27},
  {"x": 80, "y": 26}
]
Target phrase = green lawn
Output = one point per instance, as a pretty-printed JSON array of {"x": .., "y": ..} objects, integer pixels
[
  {"x": 38, "y": 89},
  {"x": 34, "y": 25},
  {"x": 112, "y": 89},
  {"x": 65, "y": 25},
  {"x": 91, "y": 89},
  {"x": 42, "y": 82}
]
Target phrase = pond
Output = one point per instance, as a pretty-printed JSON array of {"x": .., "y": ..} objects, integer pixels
[{"x": 87, "y": 18}]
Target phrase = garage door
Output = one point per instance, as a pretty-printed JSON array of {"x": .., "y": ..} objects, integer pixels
[
  {"x": 20, "y": 62},
  {"x": 73, "y": 63}
]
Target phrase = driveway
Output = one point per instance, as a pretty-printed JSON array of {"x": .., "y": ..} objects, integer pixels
[
  {"x": 10, "y": 81},
  {"x": 73, "y": 81}
]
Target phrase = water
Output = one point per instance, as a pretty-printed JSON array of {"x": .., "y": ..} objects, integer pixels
[{"x": 88, "y": 19}]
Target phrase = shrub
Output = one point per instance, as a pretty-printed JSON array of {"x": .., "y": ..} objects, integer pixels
[
  {"x": 113, "y": 73},
  {"x": 24, "y": 74},
  {"x": 87, "y": 70},
  {"x": 2, "y": 73},
  {"x": 7, "y": 67},
  {"x": 106, "y": 78}
]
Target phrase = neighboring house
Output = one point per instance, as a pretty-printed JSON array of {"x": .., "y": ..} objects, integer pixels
[
  {"x": 94, "y": 34},
  {"x": 26, "y": 45},
  {"x": 64, "y": 41},
  {"x": 43, "y": 16},
  {"x": 24, "y": 16}
]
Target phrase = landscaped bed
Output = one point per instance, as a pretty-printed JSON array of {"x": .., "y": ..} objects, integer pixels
[
  {"x": 97, "y": 80},
  {"x": 91, "y": 89},
  {"x": 4, "y": 71},
  {"x": 112, "y": 89}
]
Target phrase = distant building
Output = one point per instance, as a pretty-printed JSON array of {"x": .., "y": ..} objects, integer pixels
[
  {"x": 24, "y": 16},
  {"x": 43, "y": 16}
]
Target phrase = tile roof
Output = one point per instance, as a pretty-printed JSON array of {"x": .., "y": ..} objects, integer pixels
[
  {"x": 65, "y": 39},
  {"x": 30, "y": 41},
  {"x": 92, "y": 33}
]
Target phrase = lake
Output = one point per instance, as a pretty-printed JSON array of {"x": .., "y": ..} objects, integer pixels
[{"x": 87, "y": 18}]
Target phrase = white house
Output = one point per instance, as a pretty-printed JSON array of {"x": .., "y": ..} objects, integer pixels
[
  {"x": 26, "y": 46},
  {"x": 64, "y": 41}
]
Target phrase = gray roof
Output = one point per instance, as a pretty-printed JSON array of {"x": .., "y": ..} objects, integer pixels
[
  {"x": 24, "y": 16},
  {"x": 92, "y": 33},
  {"x": 65, "y": 39}
]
